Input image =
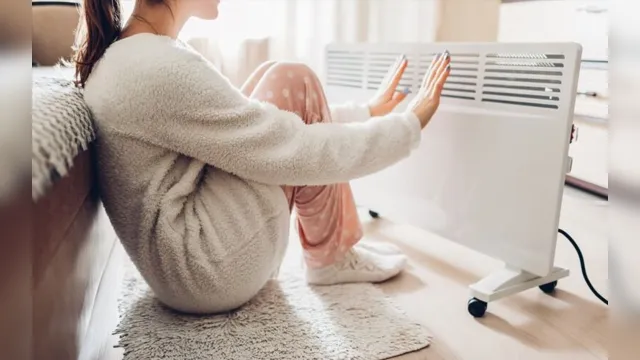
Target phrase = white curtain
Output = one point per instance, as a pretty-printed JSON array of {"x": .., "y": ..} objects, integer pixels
[{"x": 249, "y": 32}]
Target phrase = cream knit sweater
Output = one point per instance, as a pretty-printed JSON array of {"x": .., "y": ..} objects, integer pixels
[{"x": 190, "y": 169}]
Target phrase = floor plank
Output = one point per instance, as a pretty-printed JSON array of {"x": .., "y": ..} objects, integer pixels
[{"x": 568, "y": 325}]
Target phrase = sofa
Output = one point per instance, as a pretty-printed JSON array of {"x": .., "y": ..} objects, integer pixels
[
  {"x": 53, "y": 30},
  {"x": 77, "y": 259},
  {"x": 77, "y": 268}
]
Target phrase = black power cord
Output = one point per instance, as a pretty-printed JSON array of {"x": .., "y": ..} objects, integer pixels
[{"x": 583, "y": 266}]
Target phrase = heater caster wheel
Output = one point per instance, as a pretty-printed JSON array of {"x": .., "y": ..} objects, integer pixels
[
  {"x": 476, "y": 307},
  {"x": 549, "y": 288},
  {"x": 374, "y": 214}
]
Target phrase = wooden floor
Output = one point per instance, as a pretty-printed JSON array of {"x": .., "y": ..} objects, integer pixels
[{"x": 569, "y": 325}]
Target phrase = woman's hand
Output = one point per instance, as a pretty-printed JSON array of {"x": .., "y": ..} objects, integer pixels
[
  {"x": 427, "y": 100},
  {"x": 388, "y": 97}
]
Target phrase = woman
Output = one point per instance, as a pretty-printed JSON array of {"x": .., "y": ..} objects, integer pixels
[{"x": 199, "y": 179}]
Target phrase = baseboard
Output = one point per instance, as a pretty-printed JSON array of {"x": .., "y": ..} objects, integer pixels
[{"x": 593, "y": 189}]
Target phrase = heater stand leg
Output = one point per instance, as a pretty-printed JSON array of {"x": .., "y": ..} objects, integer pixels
[{"x": 509, "y": 281}]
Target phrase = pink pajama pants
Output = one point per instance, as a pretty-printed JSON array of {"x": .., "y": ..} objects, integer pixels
[{"x": 326, "y": 216}]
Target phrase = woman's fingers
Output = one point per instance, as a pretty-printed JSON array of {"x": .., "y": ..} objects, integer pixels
[
  {"x": 397, "y": 76},
  {"x": 443, "y": 67},
  {"x": 430, "y": 70},
  {"x": 390, "y": 73},
  {"x": 438, "y": 85},
  {"x": 444, "y": 60}
]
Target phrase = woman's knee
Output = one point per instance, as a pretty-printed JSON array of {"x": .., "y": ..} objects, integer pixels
[
  {"x": 293, "y": 71},
  {"x": 294, "y": 87}
]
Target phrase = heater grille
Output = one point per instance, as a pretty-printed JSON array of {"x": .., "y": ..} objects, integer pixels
[
  {"x": 512, "y": 79},
  {"x": 378, "y": 70},
  {"x": 346, "y": 68},
  {"x": 463, "y": 79},
  {"x": 523, "y": 79}
]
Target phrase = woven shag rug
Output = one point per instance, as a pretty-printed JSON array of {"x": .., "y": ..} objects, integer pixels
[{"x": 287, "y": 320}]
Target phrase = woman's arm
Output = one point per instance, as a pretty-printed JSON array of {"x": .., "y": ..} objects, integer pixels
[
  {"x": 191, "y": 109},
  {"x": 350, "y": 113}
]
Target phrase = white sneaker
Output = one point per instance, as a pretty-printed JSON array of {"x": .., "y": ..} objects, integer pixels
[
  {"x": 358, "y": 265},
  {"x": 379, "y": 247}
]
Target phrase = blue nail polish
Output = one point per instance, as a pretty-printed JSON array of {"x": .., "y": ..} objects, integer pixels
[{"x": 406, "y": 90}]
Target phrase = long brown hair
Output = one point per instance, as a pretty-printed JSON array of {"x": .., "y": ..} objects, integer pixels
[{"x": 102, "y": 25}]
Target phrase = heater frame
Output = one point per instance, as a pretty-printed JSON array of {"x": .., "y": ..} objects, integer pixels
[{"x": 512, "y": 95}]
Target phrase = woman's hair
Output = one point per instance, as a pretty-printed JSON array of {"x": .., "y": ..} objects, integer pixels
[{"x": 102, "y": 26}]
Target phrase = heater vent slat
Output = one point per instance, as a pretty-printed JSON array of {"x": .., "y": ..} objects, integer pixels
[
  {"x": 523, "y": 64},
  {"x": 345, "y": 72},
  {"x": 351, "y": 62},
  {"x": 349, "y": 84},
  {"x": 455, "y": 59},
  {"x": 542, "y": 94},
  {"x": 380, "y": 71},
  {"x": 498, "y": 84},
  {"x": 345, "y": 78},
  {"x": 464, "y": 91},
  {"x": 535, "y": 56},
  {"x": 454, "y": 62},
  {"x": 352, "y": 57},
  {"x": 345, "y": 64},
  {"x": 463, "y": 83},
  {"x": 521, "y": 103},
  {"x": 519, "y": 98},
  {"x": 452, "y": 53},
  {"x": 523, "y": 71},
  {"x": 522, "y": 95},
  {"x": 461, "y": 77},
  {"x": 455, "y": 84},
  {"x": 332, "y": 63},
  {"x": 455, "y": 96},
  {"x": 535, "y": 79},
  {"x": 381, "y": 64},
  {"x": 348, "y": 78}
]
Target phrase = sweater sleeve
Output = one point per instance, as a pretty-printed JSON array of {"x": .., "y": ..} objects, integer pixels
[
  {"x": 350, "y": 113},
  {"x": 193, "y": 110}
]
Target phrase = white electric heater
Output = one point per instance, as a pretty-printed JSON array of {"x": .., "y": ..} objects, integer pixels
[{"x": 490, "y": 171}]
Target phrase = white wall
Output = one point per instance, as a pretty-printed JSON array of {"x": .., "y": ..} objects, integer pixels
[
  {"x": 468, "y": 20},
  {"x": 403, "y": 20},
  {"x": 582, "y": 21}
]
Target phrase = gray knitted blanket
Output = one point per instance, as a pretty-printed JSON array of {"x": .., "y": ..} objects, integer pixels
[{"x": 61, "y": 127}]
